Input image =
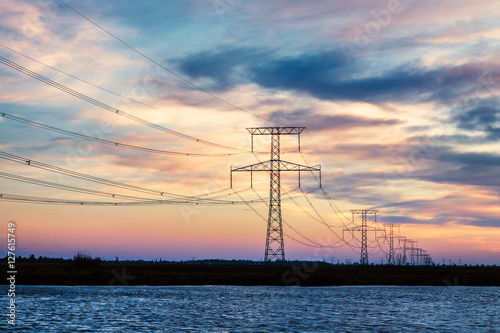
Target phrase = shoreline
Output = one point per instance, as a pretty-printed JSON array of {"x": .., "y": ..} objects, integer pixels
[{"x": 306, "y": 274}]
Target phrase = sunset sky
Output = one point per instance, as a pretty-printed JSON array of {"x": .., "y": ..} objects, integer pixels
[{"x": 400, "y": 100}]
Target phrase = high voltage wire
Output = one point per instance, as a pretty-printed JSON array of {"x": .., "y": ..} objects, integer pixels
[
  {"x": 108, "y": 142},
  {"x": 160, "y": 65},
  {"x": 314, "y": 218},
  {"x": 196, "y": 199},
  {"x": 332, "y": 205},
  {"x": 325, "y": 195},
  {"x": 300, "y": 207},
  {"x": 207, "y": 201},
  {"x": 107, "y": 107},
  {"x": 333, "y": 245},
  {"x": 265, "y": 220},
  {"x": 66, "y": 187},
  {"x": 329, "y": 170},
  {"x": 82, "y": 176},
  {"x": 110, "y": 91},
  {"x": 330, "y": 202},
  {"x": 142, "y": 202},
  {"x": 328, "y": 199},
  {"x": 41, "y": 200},
  {"x": 323, "y": 221}
]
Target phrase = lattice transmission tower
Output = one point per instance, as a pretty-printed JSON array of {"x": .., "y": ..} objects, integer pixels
[
  {"x": 413, "y": 250},
  {"x": 364, "y": 228},
  {"x": 403, "y": 260},
  {"x": 275, "y": 247},
  {"x": 391, "y": 255}
]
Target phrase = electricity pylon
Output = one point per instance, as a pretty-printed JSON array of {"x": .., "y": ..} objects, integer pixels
[
  {"x": 411, "y": 254},
  {"x": 427, "y": 259},
  {"x": 413, "y": 250},
  {"x": 391, "y": 256},
  {"x": 403, "y": 259},
  {"x": 275, "y": 247},
  {"x": 364, "y": 228}
]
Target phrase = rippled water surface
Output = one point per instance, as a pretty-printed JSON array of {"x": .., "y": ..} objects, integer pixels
[{"x": 256, "y": 309}]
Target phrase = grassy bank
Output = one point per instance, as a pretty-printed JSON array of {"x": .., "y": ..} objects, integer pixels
[{"x": 249, "y": 275}]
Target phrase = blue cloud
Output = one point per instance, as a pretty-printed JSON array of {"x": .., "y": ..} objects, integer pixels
[
  {"x": 327, "y": 76},
  {"x": 485, "y": 117},
  {"x": 219, "y": 66},
  {"x": 319, "y": 122}
]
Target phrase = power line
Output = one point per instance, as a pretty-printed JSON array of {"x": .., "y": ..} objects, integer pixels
[
  {"x": 107, "y": 107},
  {"x": 288, "y": 236},
  {"x": 65, "y": 187},
  {"x": 321, "y": 220},
  {"x": 329, "y": 170},
  {"x": 86, "y": 177},
  {"x": 333, "y": 245},
  {"x": 201, "y": 198},
  {"x": 42, "y": 200},
  {"x": 337, "y": 210},
  {"x": 160, "y": 65},
  {"x": 110, "y": 91},
  {"x": 300, "y": 207},
  {"x": 108, "y": 142}
]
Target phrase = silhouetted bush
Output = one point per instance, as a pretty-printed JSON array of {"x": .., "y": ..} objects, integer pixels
[{"x": 83, "y": 260}]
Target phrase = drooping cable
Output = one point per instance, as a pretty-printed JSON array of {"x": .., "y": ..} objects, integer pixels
[
  {"x": 265, "y": 220},
  {"x": 110, "y": 91},
  {"x": 66, "y": 187},
  {"x": 322, "y": 221},
  {"x": 108, "y": 142},
  {"x": 98, "y": 180},
  {"x": 328, "y": 168},
  {"x": 330, "y": 202},
  {"x": 333, "y": 245},
  {"x": 42, "y": 200},
  {"x": 107, "y": 107}
]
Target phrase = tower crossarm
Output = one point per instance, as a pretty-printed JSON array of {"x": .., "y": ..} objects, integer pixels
[
  {"x": 364, "y": 211},
  {"x": 395, "y": 236},
  {"x": 276, "y": 131},
  {"x": 275, "y": 166},
  {"x": 367, "y": 228},
  {"x": 289, "y": 130},
  {"x": 282, "y": 166}
]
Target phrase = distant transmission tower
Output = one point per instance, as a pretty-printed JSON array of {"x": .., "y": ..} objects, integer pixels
[
  {"x": 413, "y": 250},
  {"x": 364, "y": 228},
  {"x": 275, "y": 248},
  {"x": 404, "y": 258},
  {"x": 391, "y": 256}
]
